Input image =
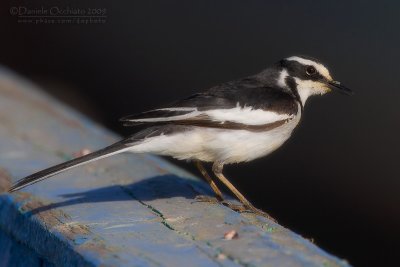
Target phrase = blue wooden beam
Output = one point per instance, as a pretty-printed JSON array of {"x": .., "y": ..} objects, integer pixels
[{"x": 127, "y": 210}]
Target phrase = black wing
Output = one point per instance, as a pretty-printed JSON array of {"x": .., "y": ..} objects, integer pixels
[{"x": 196, "y": 110}]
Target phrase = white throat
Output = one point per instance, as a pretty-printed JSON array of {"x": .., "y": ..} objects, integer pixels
[
  {"x": 304, "y": 94},
  {"x": 308, "y": 88}
]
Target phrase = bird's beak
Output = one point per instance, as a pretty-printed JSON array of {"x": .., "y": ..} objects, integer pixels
[{"x": 335, "y": 85}]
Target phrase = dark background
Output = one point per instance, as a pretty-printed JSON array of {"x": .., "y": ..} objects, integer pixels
[{"x": 336, "y": 181}]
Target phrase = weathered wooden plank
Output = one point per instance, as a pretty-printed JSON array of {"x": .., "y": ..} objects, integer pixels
[{"x": 133, "y": 210}]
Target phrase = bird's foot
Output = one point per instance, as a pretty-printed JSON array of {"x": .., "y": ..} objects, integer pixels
[
  {"x": 214, "y": 200},
  {"x": 259, "y": 212},
  {"x": 247, "y": 208},
  {"x": 235, "y": 207},
  {"x": 207, "y": 199}
]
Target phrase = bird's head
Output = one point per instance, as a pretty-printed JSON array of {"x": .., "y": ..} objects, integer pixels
[{"x": 306, "y": 77}]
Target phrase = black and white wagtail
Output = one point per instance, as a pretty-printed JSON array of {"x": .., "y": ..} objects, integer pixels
[{"x": 234, "y": 122}]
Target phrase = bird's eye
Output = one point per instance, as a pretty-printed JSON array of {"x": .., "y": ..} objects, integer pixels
[{"x": 311, "y": 70}]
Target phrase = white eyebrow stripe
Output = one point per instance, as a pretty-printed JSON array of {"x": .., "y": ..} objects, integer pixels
[
  {"x": 321, "y": 68},
  {"x": 303, "y": 60}
]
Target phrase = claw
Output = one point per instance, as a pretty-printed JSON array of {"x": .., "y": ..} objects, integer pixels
[
  {"x": 250, "y": 209},
  {"x": 259, "y": 212},
  {"x": 235, "y": 207},
  {"x": 207, "y": 199}
]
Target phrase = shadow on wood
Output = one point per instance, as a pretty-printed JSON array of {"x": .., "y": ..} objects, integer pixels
[{"x": 159, "y": 187}]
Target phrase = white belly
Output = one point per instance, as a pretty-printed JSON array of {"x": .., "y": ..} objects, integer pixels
[{"x": 211, "y": 144}]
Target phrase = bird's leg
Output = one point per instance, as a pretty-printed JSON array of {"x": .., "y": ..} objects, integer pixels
[
  {"x": 217, "y": 169},
  {"x": 214, "y": 187}
]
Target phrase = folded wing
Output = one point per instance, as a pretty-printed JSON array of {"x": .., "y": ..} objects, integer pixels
[{"x": 223, "y": 107}]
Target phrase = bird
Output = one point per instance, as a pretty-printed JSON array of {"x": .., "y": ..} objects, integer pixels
[{"x": 233, "y": 122}]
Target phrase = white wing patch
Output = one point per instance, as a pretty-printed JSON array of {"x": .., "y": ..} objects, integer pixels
[
  {"x": 192, "y": 112},
  {"x": 245, "y": 115},
  {"x": 177, "y": 109},
  {"x": 321, "y": 68}
]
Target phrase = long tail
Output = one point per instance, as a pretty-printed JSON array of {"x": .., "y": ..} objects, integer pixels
[{"x": 49, "y": 172}]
